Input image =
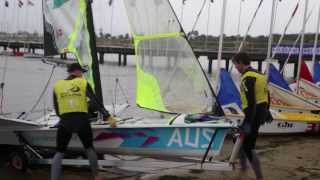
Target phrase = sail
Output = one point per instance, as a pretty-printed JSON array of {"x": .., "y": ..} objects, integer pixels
[
  {"x": 305, "y": 73},
  {"x": 316, "y": 73},
  {"x": 66, "y": 31},
  {"x": 228, "y": 92},
  {"x": 169, "y": 76},
  {"x": 276, "y": 78}
]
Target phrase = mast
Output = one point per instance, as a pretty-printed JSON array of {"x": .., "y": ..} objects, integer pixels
[
  {"x": 249, "y": 27},
  {"x": 295, "y": 43},
  {"x": 285, "y": 29},
  {"x": 239, "y": 19},
  {"x": 315, "y": 43},
  {"x": 223, "y": 19},
  {"x": 270, "y": 36},
  {"x": 301, "y": 43},
  {"x": 95, "y": 62}
]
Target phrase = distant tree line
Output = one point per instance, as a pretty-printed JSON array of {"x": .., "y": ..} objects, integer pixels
[
  {"x": 290, "y": 38},
  {"x": 193, "y": 36}
]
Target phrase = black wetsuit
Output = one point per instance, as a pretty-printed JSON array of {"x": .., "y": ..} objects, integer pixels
[
  {"x": 77, "y": 122},
  {"x": 255, "y": 115}
]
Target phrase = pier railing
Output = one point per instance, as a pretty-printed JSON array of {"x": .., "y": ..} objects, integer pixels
[
  {"x": 209, "y": 45},
  {"x": 123, "y": 47}
]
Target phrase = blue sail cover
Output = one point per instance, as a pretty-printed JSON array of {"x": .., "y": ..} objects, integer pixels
[
  {"x": 316, "y": 72},
  {"x": 228, "y": 92},
  {"x": 276, "y": 78}
]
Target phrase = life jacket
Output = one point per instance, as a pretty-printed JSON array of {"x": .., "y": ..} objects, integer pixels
[
  {"x": 261, "y": 88},
  {"x": 71, "y": 95}
]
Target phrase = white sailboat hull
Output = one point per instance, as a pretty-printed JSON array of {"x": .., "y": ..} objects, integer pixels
[
  {"x": 132, "y": 139},
  {"x": 283, "y": 122},
  {"x": 284, "y": 127}
]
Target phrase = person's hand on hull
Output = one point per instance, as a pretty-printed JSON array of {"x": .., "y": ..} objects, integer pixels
[{"x": 111, "y": 121}]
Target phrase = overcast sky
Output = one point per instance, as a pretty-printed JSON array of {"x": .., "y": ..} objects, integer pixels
[{"x": 30, "y": 17}]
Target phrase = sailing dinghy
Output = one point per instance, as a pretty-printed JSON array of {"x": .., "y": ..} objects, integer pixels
[{"x": 179, "y": 88}]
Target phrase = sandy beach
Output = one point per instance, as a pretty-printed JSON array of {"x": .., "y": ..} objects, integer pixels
[{"x": 287, "y": 157}]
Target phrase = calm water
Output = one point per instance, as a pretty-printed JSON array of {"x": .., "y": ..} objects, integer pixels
[{"x": 25, "y": 79}]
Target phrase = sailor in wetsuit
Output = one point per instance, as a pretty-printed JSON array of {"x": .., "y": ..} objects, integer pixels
[
  {"x": 70, "y": 103},
  {"x": 255, "y": 104}
]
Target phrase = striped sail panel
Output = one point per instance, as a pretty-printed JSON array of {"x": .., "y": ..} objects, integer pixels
[
  {"x": 66, "y": 30},
  {"x": 169, "y": 76}
]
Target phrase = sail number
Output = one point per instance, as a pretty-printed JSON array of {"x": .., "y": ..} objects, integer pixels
[{"x": 190, "y": 137}]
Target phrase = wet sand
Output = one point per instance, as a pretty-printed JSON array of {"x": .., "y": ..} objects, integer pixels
[{"x": 293, "y": 157}]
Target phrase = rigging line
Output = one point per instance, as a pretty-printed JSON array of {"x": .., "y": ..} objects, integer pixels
[
  {"x": 305, "y": 14},
  {"x": 198, "y": 16},
  {"x": 118, "y": 86},
  {"x": 239, "y": 18},
  {"x": 238, "y": 33},
  {"x": 249, "y": 27},
  {"x": 18, "y": 16},
  {"x": 275, "y": 13},
  {"x": 114, "y": 103},
  {"x": 208, "y": 24},
  {"x": 19, "y": 112},
  {"x": 2, "y": 21},
  {"x": 115, "y": 96},
  {"x": 6, "y": 29},
  {"x": 314, "y": 53},
  {"x": 270, "y": 38},
  {"x": 123, "y": 92},
  {"x": 2, "y": 98},
  {"x": 182, "y": 9},
  {"x": 296, "y": 41},
  {"x": 2, "y": 83},
  {"x": 111, "y": 18},
  {"x": 25, "y": 25},
  {"x": 285, "y": 29},
  {"x": 111, "y": 23},
  {"x": 27, "y": 9},
  {"x": 42, "y": 93}
]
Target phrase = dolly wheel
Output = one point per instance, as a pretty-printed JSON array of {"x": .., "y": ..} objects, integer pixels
[{"x": 19, "y": 161}]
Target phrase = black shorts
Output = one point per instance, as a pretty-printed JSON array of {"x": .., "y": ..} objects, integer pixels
[{"x": 79, "y": 125}]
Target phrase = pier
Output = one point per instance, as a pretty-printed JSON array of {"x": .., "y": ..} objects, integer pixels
[{"x": 124, "y": 48}]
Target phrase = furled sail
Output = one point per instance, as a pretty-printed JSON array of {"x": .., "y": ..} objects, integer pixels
[
  {"x": 316, "y": 73},
  {"x": 228, "y": 92},
  {"x": 169, "y": 76},
  {"x": 66, "y": 31},
  {"x": 277, "y": 78}
]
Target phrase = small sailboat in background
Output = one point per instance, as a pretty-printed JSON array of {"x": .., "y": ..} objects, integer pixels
[{"x": 291, "y": 112}]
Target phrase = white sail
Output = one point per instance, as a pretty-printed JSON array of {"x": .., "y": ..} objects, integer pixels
[
  {"x": 66, "y": 22},
  {"x": 169, "y": 76}
]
